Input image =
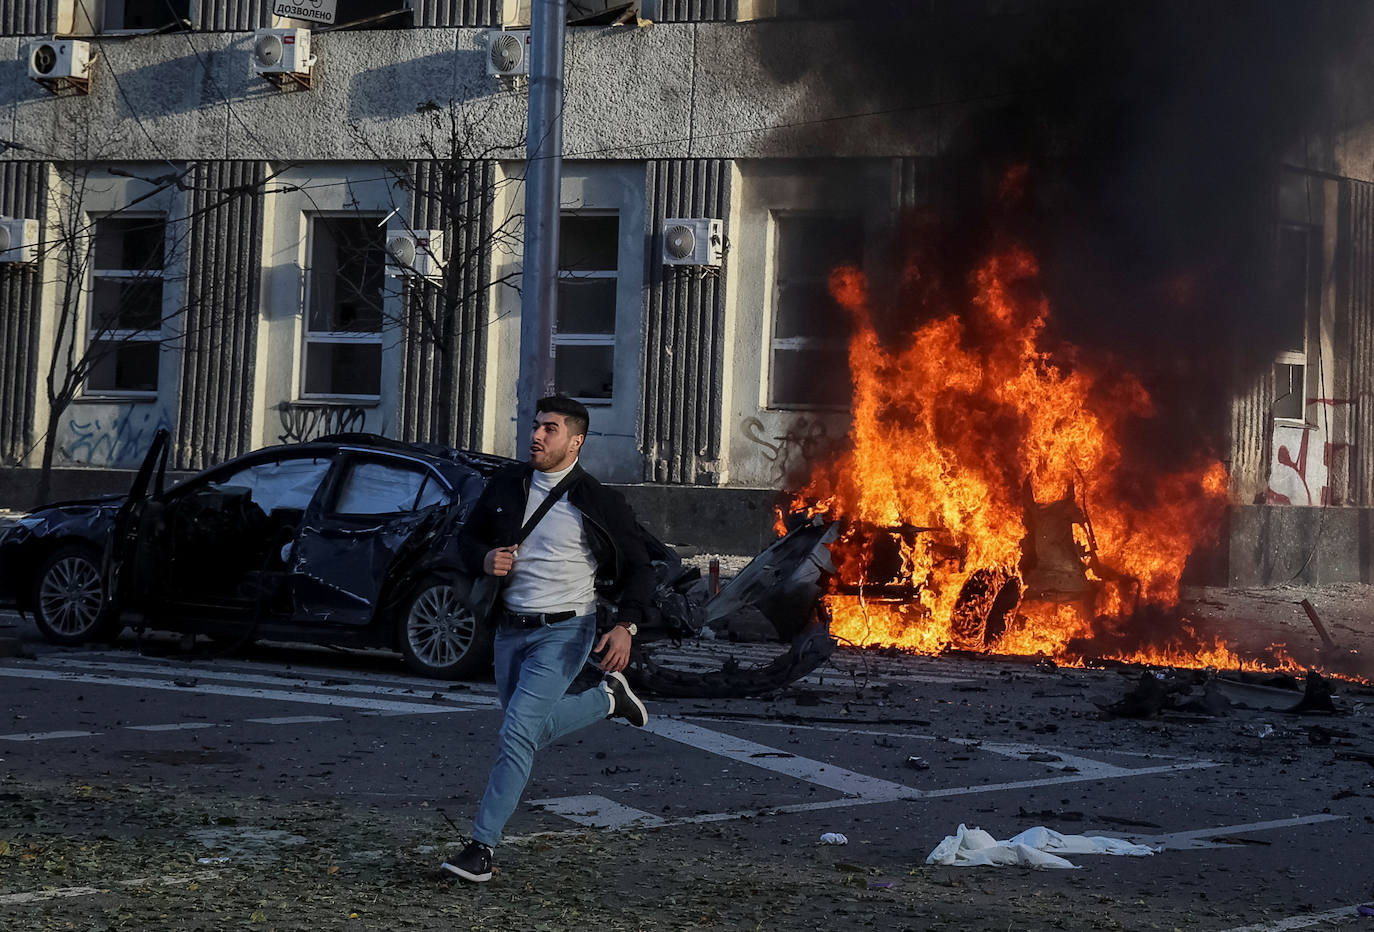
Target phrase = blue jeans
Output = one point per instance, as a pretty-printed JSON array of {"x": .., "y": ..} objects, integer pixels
[{"x": 534, "y": 667}]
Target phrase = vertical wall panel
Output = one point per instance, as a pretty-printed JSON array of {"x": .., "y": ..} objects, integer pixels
[
  {"x": 701, "y": 11},
  {"x": 1251, "y": 426},
  {"x": 684, "y": 331},
  {"x": 233, "y": 15},
  {"x": 28, "y": 17},
  {"x": 239, "y": 15},
  {"x": 445, "y": 339},
  {"x": 1360, "y": 233},
  {"x": 23, "y": 193},
  {"x": 457, "y": 12},
  {"x": 219, "y": 347}
]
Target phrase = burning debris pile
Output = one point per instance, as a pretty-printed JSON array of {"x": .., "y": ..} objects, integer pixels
[{"x": 987, "y": 500}]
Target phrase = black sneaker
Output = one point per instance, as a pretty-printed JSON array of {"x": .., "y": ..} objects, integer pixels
[
  {"x": 472, "y": 863},
  {"x": 625, "y": 704}
]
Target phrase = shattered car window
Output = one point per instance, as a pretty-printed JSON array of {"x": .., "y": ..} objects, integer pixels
[
  {"x": 379, "y": 489},
  {"x": 433, "y": 493},
  {"x": 280, "y": 484}
]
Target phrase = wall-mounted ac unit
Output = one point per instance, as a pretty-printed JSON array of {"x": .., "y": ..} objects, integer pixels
[
  {"x": 416, "y": 253},
  {"x": 18, "y": 240},
  {"x": 508, "y": 52},
  {"x": 280, "y": 55},
  {"x": 693, "y": 241},
  {"x": 60, "y": 61}
]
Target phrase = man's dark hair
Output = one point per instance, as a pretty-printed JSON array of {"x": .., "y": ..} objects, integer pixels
[{"x": 574, "y": 412}]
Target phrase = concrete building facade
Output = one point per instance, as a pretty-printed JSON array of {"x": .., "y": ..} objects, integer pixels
[{"x": 250, "y": 220}]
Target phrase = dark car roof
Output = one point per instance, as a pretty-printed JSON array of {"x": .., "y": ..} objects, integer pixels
[{"x": 484, "y": 463}]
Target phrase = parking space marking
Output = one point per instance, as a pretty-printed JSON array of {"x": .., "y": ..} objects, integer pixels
[
  {"x": 1300, "y": 922},
  {"x": 38, "y": 896},
  {"x": 1071, "y": 763},
  {"x": 180, "y": 726},
  {"x": 783, "y": 762},
  {"x": 1202, "y": 838},
  {"x": 117, "y": 657},
  {"x": 48, "y": 735},
  {"x": 347, "y": 702},
  {"x": 598, "y": 812},
  {"x": 860, "y": 789},
  {"x": 234, "y": 676}
]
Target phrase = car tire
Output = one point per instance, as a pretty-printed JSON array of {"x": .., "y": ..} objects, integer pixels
[
  {"x": 437, "y": 634},
  {"x": 69, "y": 597}
]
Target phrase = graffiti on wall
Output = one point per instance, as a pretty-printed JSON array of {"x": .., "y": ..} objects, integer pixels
[
  {"x": 1298, "y": 470},
  {"x": 792, "y": 451},
  {"x": 307, "y": 422},
  {"x": 119, "y": 439}
]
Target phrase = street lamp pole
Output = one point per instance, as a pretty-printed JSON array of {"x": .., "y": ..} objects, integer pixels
[{"x": 543, "y": 180}]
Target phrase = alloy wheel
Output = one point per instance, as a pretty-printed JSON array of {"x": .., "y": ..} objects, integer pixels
[
  {"x": 440, "y": 629},
  {"x": 71, "y": 595}
]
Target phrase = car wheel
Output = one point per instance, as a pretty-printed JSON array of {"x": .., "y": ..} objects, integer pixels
[
  {"x": 438, "y": 636},
  {"x": 69, "y": 597}
]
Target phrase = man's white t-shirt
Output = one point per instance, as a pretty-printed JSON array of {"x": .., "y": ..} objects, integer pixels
[{"x": 554, "y": 568}]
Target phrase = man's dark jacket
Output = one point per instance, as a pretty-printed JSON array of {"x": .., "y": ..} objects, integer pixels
[{"x": 623, "y": 571}]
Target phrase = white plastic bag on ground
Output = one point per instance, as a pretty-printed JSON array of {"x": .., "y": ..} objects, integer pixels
[{"x": 1035, "y": 847}]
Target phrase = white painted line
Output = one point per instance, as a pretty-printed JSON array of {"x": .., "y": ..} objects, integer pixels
[
  {"x": 48, "y": 735},
  {"x": 1084, "y": 765},
  {"x": 1094, "y": 769},
  {"x": 293, "y": 720},
  {"x": 346, "y": 702},
  {"x": 118, "y": 657},
  {"x": 1299, "y": 922},
  {"x": 422, "y": 691},
  {"x": 598, "y": 812},
  {"x": 760, "y": 755},
  {"x": 182, "y": 726},
  {"x": 1201, "y": 838},
  {"x": 1067, "y": 778},
  {"x": 38, "y": 896}
]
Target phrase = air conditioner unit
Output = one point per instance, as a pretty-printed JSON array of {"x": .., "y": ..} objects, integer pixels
[
  {"x": 508, "y": 52},
  {"x": 18, "y": 240},
  {"x": 416, "y": 253},
  {"x": 280, "y": 54},
  {"x": 694, "y": 241},
  {"x": 53, "y": 60}
]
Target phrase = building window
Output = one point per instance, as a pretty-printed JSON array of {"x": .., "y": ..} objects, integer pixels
[
  {"x": 1299, "y": 290},
  {"x": 344, "y": 320},
  {"x": 809, "y": 364},
  {"x": 124, "y": 319},
  {"x": 145, "y": 14},
  {"x": 584, "y": 328}
]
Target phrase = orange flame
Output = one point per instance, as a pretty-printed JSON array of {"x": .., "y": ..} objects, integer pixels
[{"x": 980, "y": 454}]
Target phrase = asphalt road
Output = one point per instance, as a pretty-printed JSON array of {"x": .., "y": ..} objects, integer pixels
[{"x": 293, "y": 788}]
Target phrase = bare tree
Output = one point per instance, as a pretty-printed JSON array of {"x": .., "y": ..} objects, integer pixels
[
  {"x": 113, "y": 294},
  {"x": 461, "y": 188}
]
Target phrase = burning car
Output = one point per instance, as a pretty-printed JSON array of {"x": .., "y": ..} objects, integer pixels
[{"x": 349, "y": 540}]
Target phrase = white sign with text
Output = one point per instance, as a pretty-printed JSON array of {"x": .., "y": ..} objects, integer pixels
[{"x": 316, "y": 11}]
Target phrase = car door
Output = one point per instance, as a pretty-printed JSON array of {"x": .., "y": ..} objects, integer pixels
[
  {"x": 227, "y": 534},
  {"x": 351, "y": 535}
]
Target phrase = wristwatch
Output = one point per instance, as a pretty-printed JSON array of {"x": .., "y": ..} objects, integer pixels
[{"x": 629, "y": 626}]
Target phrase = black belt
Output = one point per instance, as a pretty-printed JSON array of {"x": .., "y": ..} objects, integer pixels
[{"x": 511, "y": 619}]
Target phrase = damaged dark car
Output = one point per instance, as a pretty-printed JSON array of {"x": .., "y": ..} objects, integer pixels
[
  {"x": 347, "y": 541},
  {"x": 339, "y": 541}
]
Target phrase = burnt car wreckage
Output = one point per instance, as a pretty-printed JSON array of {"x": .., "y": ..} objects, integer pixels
[{"x": 350, "y": 541}]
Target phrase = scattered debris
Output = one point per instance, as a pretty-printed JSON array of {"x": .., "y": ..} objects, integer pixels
[
  {"x": 1035, "y": 847},
  {"x": 1311, "y": 611},
  {"x": 834, "y": 838},
  {"x": 1259, "y": 729}
]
